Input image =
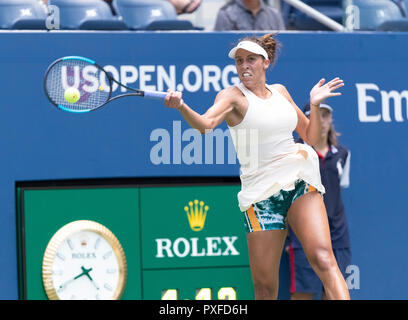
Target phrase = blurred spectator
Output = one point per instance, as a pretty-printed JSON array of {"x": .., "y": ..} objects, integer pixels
[
  {"x": 248, "y": 15},
  {"x": 109, "y": 2},
  {"x": 185, "y": 6}
]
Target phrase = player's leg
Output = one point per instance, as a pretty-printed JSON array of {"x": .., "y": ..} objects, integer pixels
[
  {"x": 308, "y": 218},
  {"x": 265, "y": 222},
  {"x": 265, "y": 251},
  {"x": 304, "y": 281},
  {"x": 343, "y": 258},
  {"x": 301, "y": 296}
]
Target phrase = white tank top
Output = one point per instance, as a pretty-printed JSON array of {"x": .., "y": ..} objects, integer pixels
[{"x": 269, "y": 158}]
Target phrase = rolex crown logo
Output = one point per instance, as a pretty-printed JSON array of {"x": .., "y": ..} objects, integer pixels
[{"x": 196, "y": 214}]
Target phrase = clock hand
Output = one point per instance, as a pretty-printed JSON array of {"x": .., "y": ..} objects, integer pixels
[
  {"x": 85, "y": 271},
  {"x": 93, "y": 282},
  {"x": 64, "y": 285},
  {"x": 90, "y": 278}
]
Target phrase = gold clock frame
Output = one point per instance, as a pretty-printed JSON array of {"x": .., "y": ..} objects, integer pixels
[{"x": 60, "y": 236}]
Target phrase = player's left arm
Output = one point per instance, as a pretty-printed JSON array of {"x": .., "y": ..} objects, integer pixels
[{"x": 310, "y": 130}]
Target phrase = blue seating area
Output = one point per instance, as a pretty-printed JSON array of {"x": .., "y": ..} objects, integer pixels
[
  {"x": 150, "y": 15},
  {"x": 22, "y": 14},
  {"x": 382, "y": 15},
  {"x": 372, "y": 15},
  {"x": 91, "y": 15},
  {"x": 297, "y": 20},
  {"x": 87, "y": 14}
]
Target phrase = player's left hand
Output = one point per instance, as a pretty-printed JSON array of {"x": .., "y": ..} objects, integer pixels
[{"x": 322, "y": 91}]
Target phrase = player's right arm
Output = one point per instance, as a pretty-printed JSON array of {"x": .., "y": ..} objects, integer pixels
[{"x": 224, "y": 104}]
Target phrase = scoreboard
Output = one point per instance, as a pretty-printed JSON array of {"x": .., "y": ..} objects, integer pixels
[{"x": 181, "y": 240}]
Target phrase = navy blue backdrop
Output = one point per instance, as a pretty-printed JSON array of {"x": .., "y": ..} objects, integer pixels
[{"x": 39, "y": 142}]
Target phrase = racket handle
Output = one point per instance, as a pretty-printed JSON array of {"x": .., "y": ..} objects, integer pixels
[{"x": 155, "y": 94}]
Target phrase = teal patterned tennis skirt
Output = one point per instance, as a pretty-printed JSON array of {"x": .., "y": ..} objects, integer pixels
[{"x": 270, "y": 214}]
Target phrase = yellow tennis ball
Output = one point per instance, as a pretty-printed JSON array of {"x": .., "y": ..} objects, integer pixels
[{"x": 72, "y": 95}]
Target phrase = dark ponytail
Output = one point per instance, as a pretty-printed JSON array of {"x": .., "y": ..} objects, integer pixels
[{"x": 269, "y": 43}]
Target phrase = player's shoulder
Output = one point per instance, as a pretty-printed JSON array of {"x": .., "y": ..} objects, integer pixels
[
  {"x": 281, "y": 89},
  {"x": 229, "y": 92},
  {"x": 231, "y": 95},
  {"x": 278, "y": 86}
]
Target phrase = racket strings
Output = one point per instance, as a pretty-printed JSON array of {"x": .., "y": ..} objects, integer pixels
[{"x": 92, "y": 83}]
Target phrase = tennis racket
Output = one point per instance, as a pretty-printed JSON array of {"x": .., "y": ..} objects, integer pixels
[{"x": 93, "y": 84}]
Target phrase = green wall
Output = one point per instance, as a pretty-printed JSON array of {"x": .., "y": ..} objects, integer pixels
[{"x": 162, "y": 249}]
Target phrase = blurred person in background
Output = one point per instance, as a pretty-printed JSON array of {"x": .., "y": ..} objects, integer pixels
[
  {"x": 248, "y": 15},
  {"x": 185, "y": 6},
  {"x": 335, "y": 174}
]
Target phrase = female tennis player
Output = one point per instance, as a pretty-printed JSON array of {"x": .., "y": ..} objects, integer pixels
[{"x": 285, "y": 185}]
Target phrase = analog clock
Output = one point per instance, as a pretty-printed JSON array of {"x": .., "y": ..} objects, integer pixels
[{"x": 84, "y": 260}]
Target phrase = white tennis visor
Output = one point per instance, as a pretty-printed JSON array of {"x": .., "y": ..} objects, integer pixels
[{"x": 249, "y": 46}]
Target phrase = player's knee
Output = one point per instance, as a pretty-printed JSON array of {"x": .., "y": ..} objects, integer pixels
[
  {"x": 322, "y": 260},
  {"x": 265, "y": 290}
]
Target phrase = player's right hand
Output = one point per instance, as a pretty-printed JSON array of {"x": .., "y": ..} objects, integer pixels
[{"x": 173, "y": 99}]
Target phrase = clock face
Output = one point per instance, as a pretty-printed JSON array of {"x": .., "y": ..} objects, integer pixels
[{"x": 85, "y": 263}]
